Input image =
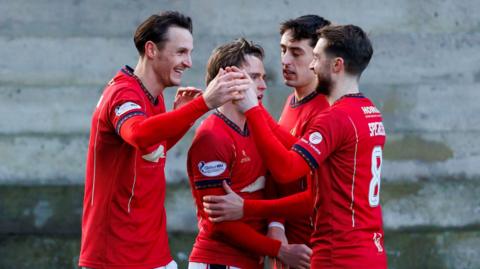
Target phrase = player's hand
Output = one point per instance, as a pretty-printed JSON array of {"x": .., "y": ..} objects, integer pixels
[
  {"x": 278, "y": 234},
  {"x": 225, "y": 207},
  {"x": 295, "y": 255},
  {"x": 185, "y": 95},
  {"x": 226, "y": 87},
  {"x": 250, "y": 99}
]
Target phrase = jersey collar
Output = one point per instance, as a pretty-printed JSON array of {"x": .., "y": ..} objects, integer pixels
[
  {"x": 294, "y": 103},
  {"x": 232, "y": 125},
  {"x": 351, "y": 95},
  {"x": 127, "y": 70}
]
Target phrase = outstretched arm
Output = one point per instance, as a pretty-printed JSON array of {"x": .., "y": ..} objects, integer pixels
[
  {"x": 183, "y": 96},
  {"x": 245, "y": 237},
  {"x": 283, "y": 135},
  {"x": 233, "y": 207},
  {"x": 286, "y": 165},
  {"x": 143, "y": 132}
]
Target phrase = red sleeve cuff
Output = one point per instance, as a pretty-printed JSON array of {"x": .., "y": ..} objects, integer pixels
[{"x": 202, "y": 105}]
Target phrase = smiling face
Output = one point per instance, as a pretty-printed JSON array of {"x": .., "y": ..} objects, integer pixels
[
  {"x": 296, "y": 55},
  {"x": 170, "y": 62}
]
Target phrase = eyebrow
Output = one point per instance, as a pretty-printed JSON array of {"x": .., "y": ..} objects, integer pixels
[
  {"x": 184, "y": 48},
  {"x": 296, "y": 49},
  {"x": 257, "y": 74}
]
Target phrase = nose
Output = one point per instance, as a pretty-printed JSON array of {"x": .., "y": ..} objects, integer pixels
[
  {"x": 188, "y": 61},
  {"x": 286, "y": 59},
  {"x": 262, "y": 85},
  {"x": 311, "y": 66}
]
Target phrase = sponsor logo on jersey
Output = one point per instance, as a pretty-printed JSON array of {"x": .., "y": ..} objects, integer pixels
[
  {"x": 212, "y": 169},
  {"x": 315, "y": 138},
  {"x": 155, "y": 155},
  {"x": 311, "y": 146},
  {"x": 128, "y": 106},
  {"x": 245, "y": 158},
  {"x": 367, "y": 110},
  {"x": 376, "y": 128}
]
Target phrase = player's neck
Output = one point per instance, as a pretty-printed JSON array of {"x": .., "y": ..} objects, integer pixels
[
  {"x": 341, "y": 87},
  {"x": 231, "y": 112},
  {"x": 148, "y": 78},
  {"x": 302, "y": 91}
]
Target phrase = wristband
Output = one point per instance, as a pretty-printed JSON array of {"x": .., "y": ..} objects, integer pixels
[{"x": 276, "y": 224}]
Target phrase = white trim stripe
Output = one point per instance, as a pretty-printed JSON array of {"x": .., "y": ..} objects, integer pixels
[
  {"x": 354, "y": 172},
  {"x": 134, "y": 181},
  {"x": 258, "y": 184},
  {"x": 95, "y": 150}
]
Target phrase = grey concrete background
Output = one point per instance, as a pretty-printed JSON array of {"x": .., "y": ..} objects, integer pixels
[{"x": 57, "y": 55}]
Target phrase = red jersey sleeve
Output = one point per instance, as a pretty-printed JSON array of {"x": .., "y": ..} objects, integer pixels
[
  {"x": 173, "y": 141},
  {"x": 143, "y": 132},
  {"x": 126, "y": 104},
  {"x": 211, "y": 159},
  {"x": 271, "y": 192},
  {"x": 297, "y": 205},
  {"x": 321, "y": 139},
  {"x": 283, "y": 135},
  {"x": 284, "y": 164}
]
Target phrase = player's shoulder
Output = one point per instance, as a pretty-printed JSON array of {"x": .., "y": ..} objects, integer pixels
[
  {"x": 320, "y": 101},
  {"x": 330, "y": 114},
  {"x": 210, "y": 130},
  {"x": 118, "y": 93},
  {"x": 123, "y": 84},
  {"x": 210, "y": 138}
]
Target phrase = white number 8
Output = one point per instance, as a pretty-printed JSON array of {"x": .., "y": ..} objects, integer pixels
[{"x": 374, "y": 197}]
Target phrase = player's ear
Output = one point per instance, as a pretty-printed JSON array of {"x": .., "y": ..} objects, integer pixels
[
  {"x": 338, "y": 64},
  {"x": 150, "y": 49}
]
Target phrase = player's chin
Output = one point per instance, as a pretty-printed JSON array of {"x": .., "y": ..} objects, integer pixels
[
  {"x": 289, "y": 82},
  {"x": 175, "y": 80}
]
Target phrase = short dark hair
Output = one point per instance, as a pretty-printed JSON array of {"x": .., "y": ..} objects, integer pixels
[
  {"x": 231, "y": 54},
  {"x": 349, "y": 42},
  {"x": 304, "y": 27},
  {"x": 155, "y": 29}
]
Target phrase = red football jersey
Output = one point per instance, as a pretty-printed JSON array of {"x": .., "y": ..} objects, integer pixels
[
  {"x": 345, "y": 144},
  {"x": 296, "y": 118},
  {"x": 222, "y": 151},
  {"x": 124, "y": 222}
]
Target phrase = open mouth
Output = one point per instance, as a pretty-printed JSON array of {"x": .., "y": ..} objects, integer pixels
[
  {"x": 288, "y": 73},
  {"x": 179, "y": 70},
  {"x": 260, "y": 96}
]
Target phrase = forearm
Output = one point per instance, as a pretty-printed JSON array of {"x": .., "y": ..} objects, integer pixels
[
  {"x": 236, "y": 233},
  {"x": 293, "y": 206},
  {"x": 285, "y": 165},
  {"x": 174, "y": 140},
  {"x": 283, "y": 135},
  {"x": 143, "y": 133},
  {"x": 241, "y": 235}
]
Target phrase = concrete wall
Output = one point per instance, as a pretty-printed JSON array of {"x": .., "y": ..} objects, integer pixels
[{"x": 57, "y": 55}]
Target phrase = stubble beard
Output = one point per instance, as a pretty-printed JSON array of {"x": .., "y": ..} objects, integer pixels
[{"x": 324, "y": 84}]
